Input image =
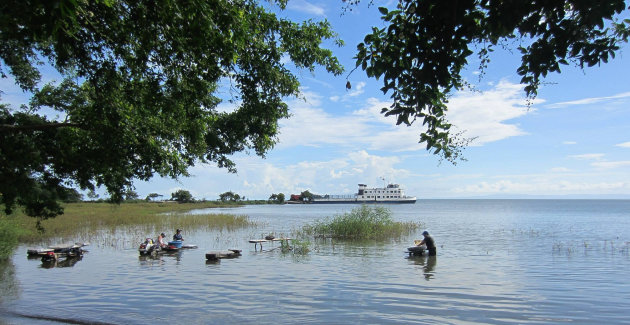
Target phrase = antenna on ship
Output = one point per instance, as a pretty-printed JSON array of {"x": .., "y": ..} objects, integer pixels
[{"x": 384, "y": 182}]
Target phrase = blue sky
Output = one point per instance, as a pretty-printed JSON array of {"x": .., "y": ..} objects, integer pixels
[{"x": 574, "y": 140}]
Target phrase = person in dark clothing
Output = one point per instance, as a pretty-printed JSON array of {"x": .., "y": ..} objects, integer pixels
[
  {"x": 178, "y": 235},
  {"x": 429, "y": 242}
]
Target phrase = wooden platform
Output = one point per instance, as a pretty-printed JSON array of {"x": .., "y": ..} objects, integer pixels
[
  {"x": 217, "y": 255},
  {"x": 256, "y": 242}
]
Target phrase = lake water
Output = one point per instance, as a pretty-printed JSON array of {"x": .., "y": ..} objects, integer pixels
[{"x": 499, "y": 262}]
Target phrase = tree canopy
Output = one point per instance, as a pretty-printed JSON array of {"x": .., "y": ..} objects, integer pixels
[
  {"x": 277, "y": 198},
  {"x": 306, "y": 196},
  {"x": 425, "y": 45},
  {"x": 152, "y": 196},
  {"x": 140, "y": 88},
  {"x": 182, "y": 196},
  {"x": 229, "y": 196}
]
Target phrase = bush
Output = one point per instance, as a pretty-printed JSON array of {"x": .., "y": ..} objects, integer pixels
[
  {"x": 9, "y": 233},
  {"x": 363, "y": 222}
]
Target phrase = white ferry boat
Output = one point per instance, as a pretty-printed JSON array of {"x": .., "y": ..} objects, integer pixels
[{"x": 393, "y": 193}]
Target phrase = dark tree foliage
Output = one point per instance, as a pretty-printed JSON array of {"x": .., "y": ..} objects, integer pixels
[
  {"x": 277, "y": 198},
  {"x": 73, "y": 196},
  {"x": 130, "y": 195},
  {"x": 139, "y": 90},
  {"x": 182, "y": 196},
  {"x": 306, "y": 196},
  {"x": 425, "y": 44},
  {"x": 152, "y": 196},
  {"x": 229, "y": 196}
]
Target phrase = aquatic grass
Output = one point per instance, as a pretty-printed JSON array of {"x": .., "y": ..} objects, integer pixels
[
  {"x": 301, "y": 247},
  {"x": 611, "y": 247},
  {"x": 10, "y": 232},
  {"x": 364, "y": 222},
  {"x": 101, "y": 222}
]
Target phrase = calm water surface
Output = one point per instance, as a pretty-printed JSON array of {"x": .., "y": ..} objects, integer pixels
[{"x": 499, "y": 262}]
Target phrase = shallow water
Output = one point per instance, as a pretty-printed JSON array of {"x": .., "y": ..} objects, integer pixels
[{"x": 499, "y": 262}]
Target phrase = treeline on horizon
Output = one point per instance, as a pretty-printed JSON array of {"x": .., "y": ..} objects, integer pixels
[{"x": 184, "y": 196}]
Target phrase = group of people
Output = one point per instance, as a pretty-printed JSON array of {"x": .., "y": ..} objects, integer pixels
[
  {"x": 427, "y": 242},
  {"x": 177, "y": 236}
]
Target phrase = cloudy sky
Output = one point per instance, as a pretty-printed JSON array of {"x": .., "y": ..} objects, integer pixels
[{"x": 574, "y": 140}]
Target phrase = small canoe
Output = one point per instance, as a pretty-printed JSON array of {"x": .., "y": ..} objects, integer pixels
[
  {"x": 215, "y": 256},
  {"x": 176, "y": 243}
]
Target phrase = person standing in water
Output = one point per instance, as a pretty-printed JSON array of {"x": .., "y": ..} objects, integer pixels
[{"x": 429, "y": 242}]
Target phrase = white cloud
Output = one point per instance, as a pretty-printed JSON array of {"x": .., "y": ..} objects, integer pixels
[
  {"x": 334, "y": 98},
  {"x": 611, "y": 164},
  {"x": 592, "y": 100},
  {"x": 259, "y": 178},
  {"x": 306, "y": 7},
  {"x": 569, "y": 142},
  {"x": 357, "y": 89},
  {"x": 484, "y": 115},
  {"x": 624, "y": 145},
  {"x": 544, "y": 187},
  {"x": 312, "y": 126},
  {"x": 503, "y": 186},
  {"x": 310, "y": 98},
  {"x": 588, "y": 156},
  {"x": 560, "y": 170}
]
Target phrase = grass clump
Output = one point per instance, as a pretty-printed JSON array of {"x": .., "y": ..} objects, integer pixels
[{"x": 364, "y": 222}]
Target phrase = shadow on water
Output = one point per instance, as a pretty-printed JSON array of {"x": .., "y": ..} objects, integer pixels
[
  {"x": 9, "y": 286},
  {"x": 427, "y": 263},
  {"x": 160, "y": 257}
]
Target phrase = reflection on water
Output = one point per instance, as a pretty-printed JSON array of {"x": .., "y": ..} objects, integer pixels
[
  {"x": 9, "y": 285},
  {"x": 527, "y": 266},
  {"x": 62, "y": 262},
  {"x": 427, "y": 263}
]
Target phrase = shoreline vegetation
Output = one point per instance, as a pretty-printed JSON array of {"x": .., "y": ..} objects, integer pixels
[{"x": 88, "y": 219}]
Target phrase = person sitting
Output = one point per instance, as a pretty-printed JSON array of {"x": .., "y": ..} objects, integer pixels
[
  {"x": 429, "y": 242},
  {"x": 160, "y": 240},
  {"x": 178, "y": 235}
]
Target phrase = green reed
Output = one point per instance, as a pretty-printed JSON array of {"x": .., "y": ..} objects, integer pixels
[
  {"x": 364, "y": 222},
  {"x": 102, "y": 220},
  {"x": 611, "y": 247}
]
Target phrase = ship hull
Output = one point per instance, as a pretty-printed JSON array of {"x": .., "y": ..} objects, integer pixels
[{"x": 356, "y": 201}]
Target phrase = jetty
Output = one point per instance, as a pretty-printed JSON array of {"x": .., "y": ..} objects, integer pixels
[{"x": 257, "y": 242}]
